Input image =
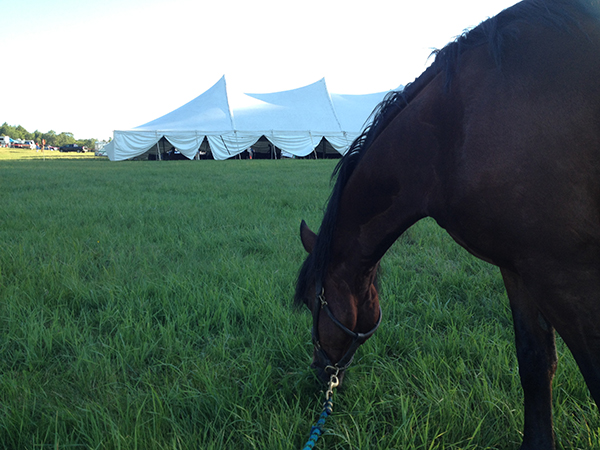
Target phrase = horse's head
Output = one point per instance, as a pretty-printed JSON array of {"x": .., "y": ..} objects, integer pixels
[{"x": 345, "y": 310}]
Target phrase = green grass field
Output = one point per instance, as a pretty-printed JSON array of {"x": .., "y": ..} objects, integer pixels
[
  {"x": 12, "y": 154},
  {"x": 147, "y": 305}
]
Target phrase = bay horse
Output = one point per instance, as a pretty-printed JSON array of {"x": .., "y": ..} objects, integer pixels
[{"x": 498, "y": 141}]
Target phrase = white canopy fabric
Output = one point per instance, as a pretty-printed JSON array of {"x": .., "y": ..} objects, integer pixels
[{"x": 295, "y": 121}]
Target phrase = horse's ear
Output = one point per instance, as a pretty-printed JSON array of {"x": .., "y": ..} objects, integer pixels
[{"x": 308, "y": 237}]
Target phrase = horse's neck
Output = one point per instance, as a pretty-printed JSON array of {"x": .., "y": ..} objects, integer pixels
[{"x": 391, "y": 189}]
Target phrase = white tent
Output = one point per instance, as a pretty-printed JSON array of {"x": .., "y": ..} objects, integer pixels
[{"x": 294, "y": 121}]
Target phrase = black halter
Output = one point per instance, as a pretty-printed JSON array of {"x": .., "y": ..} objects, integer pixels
[{"x": 357, "y": 338}]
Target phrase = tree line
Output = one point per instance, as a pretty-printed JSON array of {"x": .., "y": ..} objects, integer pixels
[{"x": 51, "y": 137}]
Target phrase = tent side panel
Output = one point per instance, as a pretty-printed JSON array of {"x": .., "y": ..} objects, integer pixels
[
  {"x": 187, "y": 143},
  {"x": 225, "y": 146},
  {"x": 129, "y": 144}
]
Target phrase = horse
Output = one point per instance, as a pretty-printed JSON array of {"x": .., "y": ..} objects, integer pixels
[{"x": 499, "y": 142}]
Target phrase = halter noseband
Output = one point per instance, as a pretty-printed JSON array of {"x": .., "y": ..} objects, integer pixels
[{"x": 357, "y": 338}]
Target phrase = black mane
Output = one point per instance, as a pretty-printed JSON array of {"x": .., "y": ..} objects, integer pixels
[{"x": 496, "y": 33}]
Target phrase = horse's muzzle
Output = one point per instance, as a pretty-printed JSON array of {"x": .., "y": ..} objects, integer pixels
[{"x": 323, "y": 375}]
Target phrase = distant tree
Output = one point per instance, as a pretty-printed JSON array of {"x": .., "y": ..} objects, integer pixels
[
  {"x": 64, "y": 139},
  {"x": 89, "y": 143},
  {"x": 5, "y": 129},
  {"x": 37, "y": 137},
  {"x": 21, "y": 133},
  {"x": 50, "y": 138},
  {"x": 56, "y": 140}
]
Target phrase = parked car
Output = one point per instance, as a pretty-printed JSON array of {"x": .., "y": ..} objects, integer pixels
[
  {"x": 20, "y": 143},
  {"x": 72, "y": 148}
]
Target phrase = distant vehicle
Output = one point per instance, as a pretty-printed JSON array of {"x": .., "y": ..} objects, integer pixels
[
  {"x": 19, "y": 143},
  {"x": 72, "y": 148},
  {"x": 99, "y": 148}
]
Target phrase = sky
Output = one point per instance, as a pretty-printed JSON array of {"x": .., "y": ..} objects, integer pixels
[{"x": 90, "y": 67}]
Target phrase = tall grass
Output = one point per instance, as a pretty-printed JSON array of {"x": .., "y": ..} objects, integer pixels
[{"x": 147, "y": 305}]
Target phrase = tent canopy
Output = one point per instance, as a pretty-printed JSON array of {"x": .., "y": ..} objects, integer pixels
[{"x": 294, "y": 121}]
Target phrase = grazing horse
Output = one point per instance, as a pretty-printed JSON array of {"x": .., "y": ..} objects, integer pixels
[{"x": 498, "y": 141}]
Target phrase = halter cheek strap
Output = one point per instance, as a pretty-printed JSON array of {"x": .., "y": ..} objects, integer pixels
[{"x": 357, "y": 338}]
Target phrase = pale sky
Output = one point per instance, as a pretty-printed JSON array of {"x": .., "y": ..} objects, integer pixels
[{"x": 93, "y": 66}]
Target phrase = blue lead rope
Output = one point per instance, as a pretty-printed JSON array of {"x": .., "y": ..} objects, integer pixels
[{"x": 317, "y": 430}]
